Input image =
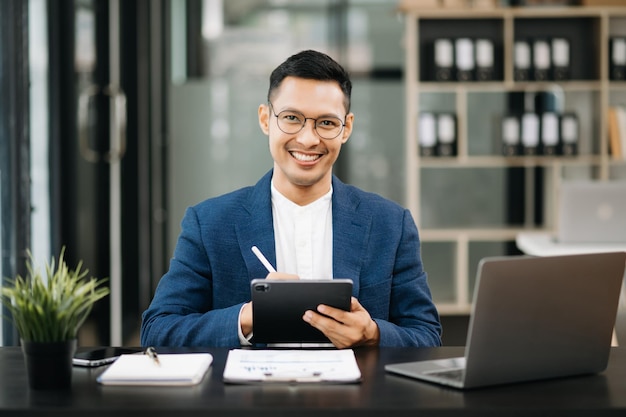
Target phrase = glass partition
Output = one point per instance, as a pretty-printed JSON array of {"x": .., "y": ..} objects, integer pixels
[{"x": 222, "y": 53}]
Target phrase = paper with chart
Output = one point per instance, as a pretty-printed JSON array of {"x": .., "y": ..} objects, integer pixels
[{"x": 250, "y": 366}]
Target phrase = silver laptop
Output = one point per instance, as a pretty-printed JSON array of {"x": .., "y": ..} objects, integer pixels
[
  {"x": 533, "y": 318},
  {"x": 592, "y": 212}
]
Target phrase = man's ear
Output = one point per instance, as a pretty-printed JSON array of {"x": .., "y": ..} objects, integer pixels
[
  {"x": 264, "y": 118},
  {"x": 347, "y": 129}
]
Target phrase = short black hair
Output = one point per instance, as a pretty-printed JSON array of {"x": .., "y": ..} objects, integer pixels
[{"x": 312, "y": 65}]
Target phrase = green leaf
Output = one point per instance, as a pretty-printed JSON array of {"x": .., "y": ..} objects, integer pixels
[{"x": 51, "y": 306}]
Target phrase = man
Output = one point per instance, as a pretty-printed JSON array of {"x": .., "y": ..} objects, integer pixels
[{"x": 307, "y": 223}]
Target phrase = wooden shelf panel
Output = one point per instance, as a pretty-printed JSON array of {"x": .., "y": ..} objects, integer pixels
[
  {"x": 412, "y": 7},
  {"x": 507, "y": 86},
  {"x": 504, "y": 162}
]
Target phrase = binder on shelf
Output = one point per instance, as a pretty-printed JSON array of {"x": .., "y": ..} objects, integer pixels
[
  {"x": 511, "y": 135},
  {"x": 464, "y": 57},
  {"x": 541, "y": 60},
  {"x": 446, "y": 135},
  {"x": 617, "y": 57},
  {"x": 549, "y": 133},
  {"x": 560, "y": 59},
  {"x": 521, "y": 60},
  {"x": 484, "y": 60},
  {"x": 569, "y": 134},
  {"x": 444, "y": 59},
  {"x": 530, "y": 133},
  {"x": 427, "y": 138}
]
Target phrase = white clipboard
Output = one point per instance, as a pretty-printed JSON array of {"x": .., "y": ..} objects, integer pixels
[{"x": 245, "y": 366}]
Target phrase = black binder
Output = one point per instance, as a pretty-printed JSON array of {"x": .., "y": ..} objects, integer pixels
[
  {"x": 521, "y": 60},
  {"x": 443, "y": 59},
  {"x": 446, "y": 134},
  {"x": 511, "y": 135},
  {"x": 427, "y": 134},
  {"x": 464, "y": 59},
  {"x": 541, "y": 60},
  {"x": 530, "y": 133},
  {"x": 569, "y": 132},
  {"x": 550, "y": 133},
  {"x": 484, "y": 60},
  {"x": 560, "y": 59},
  {"x": 617, "y": 56}
]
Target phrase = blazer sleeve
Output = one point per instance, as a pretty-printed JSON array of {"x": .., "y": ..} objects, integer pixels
[
  {"x": 182, "y": 311},
  {"x": 413, "y": 317}
]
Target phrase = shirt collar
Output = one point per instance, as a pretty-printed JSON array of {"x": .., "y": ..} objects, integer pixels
[{"x": 281, "y": 200}]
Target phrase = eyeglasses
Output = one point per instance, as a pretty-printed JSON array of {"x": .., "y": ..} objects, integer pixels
[{"x": 291, "y": 122}]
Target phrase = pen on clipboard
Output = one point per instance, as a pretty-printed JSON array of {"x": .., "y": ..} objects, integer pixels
[
  {"x": 151, "y": 352},
  {"x": 263, "y": 259}
]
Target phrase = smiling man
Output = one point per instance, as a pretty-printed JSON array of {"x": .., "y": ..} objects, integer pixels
[{"x": 308, "y": 224}]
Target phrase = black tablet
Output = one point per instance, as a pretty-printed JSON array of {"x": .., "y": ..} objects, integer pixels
[
  {"x": 278, "y": 307},
  {"x": 98, "y": 356}
]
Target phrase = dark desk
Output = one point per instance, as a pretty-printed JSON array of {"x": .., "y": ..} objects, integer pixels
[{"x": 379, "y": 394}]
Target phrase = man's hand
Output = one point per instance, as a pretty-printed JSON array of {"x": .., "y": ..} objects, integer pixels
[
  {"x": 345, "y": 328},
  {"x": 245, "y": 317},
  {"x": 281, "y": 275}
]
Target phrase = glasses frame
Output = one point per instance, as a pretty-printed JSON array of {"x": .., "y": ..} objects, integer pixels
[{"x": 343, "y": 123}]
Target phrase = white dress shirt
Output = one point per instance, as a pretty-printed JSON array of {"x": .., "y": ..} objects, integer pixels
[
  {"x": 304, "y": 241},
  {"x": 304, "y": 236}
]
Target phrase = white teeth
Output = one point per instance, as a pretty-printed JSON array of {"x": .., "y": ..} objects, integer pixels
[{"x": 303, "y": 157}]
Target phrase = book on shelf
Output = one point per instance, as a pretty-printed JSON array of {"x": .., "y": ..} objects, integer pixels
[{"x": 617, "y": 132}]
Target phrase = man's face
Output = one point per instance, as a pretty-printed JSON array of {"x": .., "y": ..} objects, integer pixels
[{"x": 303, "y": 161}]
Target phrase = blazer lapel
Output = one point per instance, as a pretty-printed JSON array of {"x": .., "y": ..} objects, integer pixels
[
  {"x": 350, "y": 233},
  {"x": 257, "y": 229}
]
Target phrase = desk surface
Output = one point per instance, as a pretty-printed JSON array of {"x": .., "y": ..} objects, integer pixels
[
  {"x": 379, "y": 394},
  {"x": 545, "y": 244}
]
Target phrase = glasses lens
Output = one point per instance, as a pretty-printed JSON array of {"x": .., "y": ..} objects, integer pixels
[
  {"x": 328, "y": 127},
  {"x": 290, "y": 122}
]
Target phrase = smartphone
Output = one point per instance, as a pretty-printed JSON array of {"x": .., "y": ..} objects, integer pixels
[{"x": 99, "y": 356}]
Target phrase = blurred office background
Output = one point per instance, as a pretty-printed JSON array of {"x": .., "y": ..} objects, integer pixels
[{"x": 117, "y": 115}]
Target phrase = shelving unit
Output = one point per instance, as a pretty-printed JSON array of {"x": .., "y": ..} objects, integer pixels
[{"x": 479, "y": 107}]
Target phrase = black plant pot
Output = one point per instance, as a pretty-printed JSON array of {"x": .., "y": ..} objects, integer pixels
[{"x": 49, "y": 365}]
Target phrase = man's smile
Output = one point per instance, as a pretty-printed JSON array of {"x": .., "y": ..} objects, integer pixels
[{"x": 305, "y": 157}]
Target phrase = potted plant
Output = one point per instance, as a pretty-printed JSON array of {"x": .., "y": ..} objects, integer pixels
[{"x": 48, "y": 309}]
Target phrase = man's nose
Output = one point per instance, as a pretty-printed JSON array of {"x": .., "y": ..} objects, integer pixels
[{"x": 308, "y": 135}]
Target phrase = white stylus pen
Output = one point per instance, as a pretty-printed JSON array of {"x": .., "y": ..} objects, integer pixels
[{"x": 263, "y": 259}]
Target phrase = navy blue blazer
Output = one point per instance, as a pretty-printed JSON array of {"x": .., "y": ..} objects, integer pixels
[{"x": 375, "y": 243}]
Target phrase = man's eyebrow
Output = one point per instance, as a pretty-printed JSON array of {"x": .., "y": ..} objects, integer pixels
[{"x": 291, "y": 109}]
